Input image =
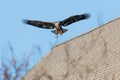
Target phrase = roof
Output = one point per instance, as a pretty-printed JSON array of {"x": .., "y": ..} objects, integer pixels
[
  {"x": 93, "y": 55},
  {"x": 87, "y": 32}
]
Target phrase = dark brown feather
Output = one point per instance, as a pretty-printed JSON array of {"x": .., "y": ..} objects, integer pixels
[
  {"x": 40, "y": 24},
  {"x": 74, "y": 18}
]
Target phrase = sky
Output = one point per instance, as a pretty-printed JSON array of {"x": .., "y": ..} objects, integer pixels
[{"x": 25, "y": 38}]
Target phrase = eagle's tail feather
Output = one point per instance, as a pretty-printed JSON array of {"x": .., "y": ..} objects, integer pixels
[{"x": 63, "y": 31}]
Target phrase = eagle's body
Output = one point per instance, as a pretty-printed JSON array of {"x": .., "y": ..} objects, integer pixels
[
  {"x": 57, "y": 25},
  {"x": 58, "y": 29}
]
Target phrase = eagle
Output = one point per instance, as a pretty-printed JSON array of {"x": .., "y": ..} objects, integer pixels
[{"x": 57, "y": 26}]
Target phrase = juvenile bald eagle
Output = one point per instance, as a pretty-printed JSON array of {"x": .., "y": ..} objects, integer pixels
[{"x": 57, "y": 25}]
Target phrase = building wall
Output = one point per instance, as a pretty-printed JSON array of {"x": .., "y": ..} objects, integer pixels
[{"x": 92, "y": 56}]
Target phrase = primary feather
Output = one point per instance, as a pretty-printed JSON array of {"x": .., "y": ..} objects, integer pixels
[{"x": 74, "y": 18}]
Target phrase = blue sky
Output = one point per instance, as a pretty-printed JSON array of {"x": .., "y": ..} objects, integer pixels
[{"x": 25, "y": 37}]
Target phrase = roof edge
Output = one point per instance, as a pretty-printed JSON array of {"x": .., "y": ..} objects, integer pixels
[{"x": 85, "y": 33}]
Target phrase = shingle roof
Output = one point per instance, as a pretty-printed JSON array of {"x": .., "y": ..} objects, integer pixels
[{"x": 94, "y": 55}]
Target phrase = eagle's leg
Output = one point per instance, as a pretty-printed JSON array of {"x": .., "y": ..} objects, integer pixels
[
  {"x": 56, "y": 33},
  {"x": 60, "y": 32}
]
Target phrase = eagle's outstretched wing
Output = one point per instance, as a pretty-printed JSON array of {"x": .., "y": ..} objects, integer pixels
[
  {"x": 74, "y": 18},
  {"x": 40, "y": 24}
]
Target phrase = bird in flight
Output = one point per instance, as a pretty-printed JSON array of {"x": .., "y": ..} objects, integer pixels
[{"x": 57, "y": 26}]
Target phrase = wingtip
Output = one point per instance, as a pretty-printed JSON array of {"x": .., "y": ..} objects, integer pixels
[
  {"x": 25, "y": 21},
  {"x": 87, "y": 15}
]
